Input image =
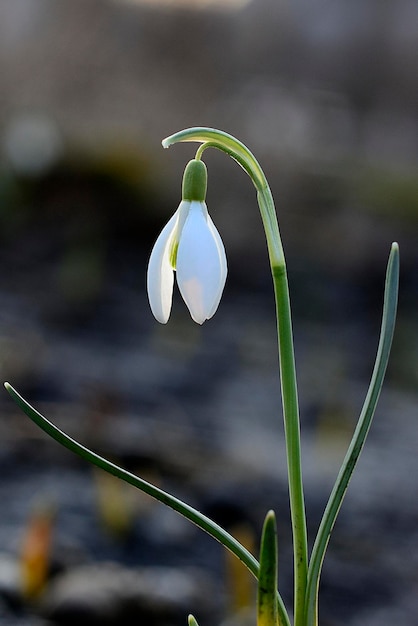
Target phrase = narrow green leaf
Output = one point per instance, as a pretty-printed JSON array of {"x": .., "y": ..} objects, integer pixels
[
  {"x": 359, "y": 436},
  {"x": 267, "y": 582},
  {"x": 200, "y": 520},
  {"x": 194, "y": 516}
]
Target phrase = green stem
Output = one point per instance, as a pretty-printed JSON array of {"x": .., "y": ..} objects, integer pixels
[
  {"x": 291, "y": 416},
  {"x": 359, "y": 437},
  {"x": 239, "y": 152},
  {"x": 292, "y": 434}
]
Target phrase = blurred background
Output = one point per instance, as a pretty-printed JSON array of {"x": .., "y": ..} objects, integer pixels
[{"x": 326, "y": 95}]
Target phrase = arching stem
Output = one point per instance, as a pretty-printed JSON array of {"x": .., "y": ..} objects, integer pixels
[{"x": 211, "y": 138}]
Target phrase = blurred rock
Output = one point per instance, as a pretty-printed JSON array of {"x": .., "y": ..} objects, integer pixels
[
  {"x": 109, "y": 594},
  {"x": 10, "y": 581}
]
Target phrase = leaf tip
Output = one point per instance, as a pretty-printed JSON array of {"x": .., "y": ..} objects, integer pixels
[
  {"x": 192, "y": 621},
  {"x": 270, "y": 520}
]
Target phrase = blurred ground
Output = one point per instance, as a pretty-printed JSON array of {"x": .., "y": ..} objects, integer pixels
[{"x": 326, "y": 97}]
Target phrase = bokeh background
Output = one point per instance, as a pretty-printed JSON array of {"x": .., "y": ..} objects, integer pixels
[{"x": 326, "y": 95}]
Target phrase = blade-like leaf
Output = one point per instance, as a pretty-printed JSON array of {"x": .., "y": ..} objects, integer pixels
[
  {"x": 359, "y": 436},
  {"x": 194, "y": 516},
  {"x": 187, "y": 511}
]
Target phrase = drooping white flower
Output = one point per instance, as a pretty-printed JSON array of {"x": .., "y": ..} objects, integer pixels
[{"x": 191, "y": 246}]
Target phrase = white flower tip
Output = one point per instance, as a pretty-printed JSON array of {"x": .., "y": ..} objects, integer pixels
[
  {"x": 160, "y": 318},
  {"x": 160, "y": 305},
  {"x": 160, "y": 280}
]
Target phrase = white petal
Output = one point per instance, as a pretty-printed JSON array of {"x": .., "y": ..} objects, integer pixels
[
  {"x": 224, "y": 266},
  {"x": 183, "y": 212},
  {"x": 160, "y": 274},
  {"x": 201, "y": 268}
]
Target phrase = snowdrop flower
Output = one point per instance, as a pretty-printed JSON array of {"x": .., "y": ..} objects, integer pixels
[{"x": 191, "y": 246}]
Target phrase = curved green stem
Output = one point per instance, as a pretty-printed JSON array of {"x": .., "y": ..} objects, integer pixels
[
  {"x": 211, "y": 138},
  {"x": 200, "y": 520},
  {"x": 359, "y": 437}
]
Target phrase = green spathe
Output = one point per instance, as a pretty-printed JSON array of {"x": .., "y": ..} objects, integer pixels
[{"x": 195, "y": 181}]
